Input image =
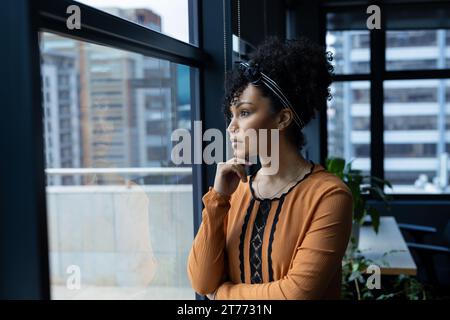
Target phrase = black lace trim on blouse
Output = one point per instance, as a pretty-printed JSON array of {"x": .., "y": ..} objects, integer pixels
[
  {"x": 257, "y": 241},
  {"x": 258, "y": 232}
]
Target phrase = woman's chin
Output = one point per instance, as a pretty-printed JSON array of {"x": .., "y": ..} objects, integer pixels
[{"x": 239, "y": 155}]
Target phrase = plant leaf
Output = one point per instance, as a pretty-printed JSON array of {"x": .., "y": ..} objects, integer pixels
[{"x": 375, "y": 216}]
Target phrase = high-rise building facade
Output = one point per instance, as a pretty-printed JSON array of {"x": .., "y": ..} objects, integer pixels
[{"x": 416, "y": 112}]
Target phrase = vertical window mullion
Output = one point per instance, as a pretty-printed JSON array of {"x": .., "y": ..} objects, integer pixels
[{"x": 377, "y": 70}]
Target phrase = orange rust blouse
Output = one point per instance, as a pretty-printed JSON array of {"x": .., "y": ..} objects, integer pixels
[{"x": 290, "y": 247}]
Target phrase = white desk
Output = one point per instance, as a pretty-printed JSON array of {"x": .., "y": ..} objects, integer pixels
[{"x": 388, "y": 239}]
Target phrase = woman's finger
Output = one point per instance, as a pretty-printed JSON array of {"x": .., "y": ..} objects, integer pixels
[{"x": 239, "y": 169}]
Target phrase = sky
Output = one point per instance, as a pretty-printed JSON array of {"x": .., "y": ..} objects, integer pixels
[{"x": 174, "y": 13}]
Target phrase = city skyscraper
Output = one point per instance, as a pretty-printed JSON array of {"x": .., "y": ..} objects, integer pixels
[
  {"x": 127, "y": 104},
  {"x": 416, "y": 112}
]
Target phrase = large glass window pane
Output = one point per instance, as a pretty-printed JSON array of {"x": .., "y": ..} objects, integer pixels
[
  {"x": 416, "y": 135},
  {"x": 168, "y": 17},
  {"x": 350, "y": 51},
  {"x": 119, "y": 211},
  {"x": 417, "y": 49},
  {"x": 348, "y": 126}
]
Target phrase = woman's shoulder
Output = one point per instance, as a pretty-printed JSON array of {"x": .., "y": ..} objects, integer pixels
[{"x": 325, "y": 181}]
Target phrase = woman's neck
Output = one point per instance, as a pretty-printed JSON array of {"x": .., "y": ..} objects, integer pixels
[{"x": 290, "y": 164}]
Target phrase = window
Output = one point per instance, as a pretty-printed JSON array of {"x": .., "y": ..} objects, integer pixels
[
  {"x": 168, "y": 17},
  {"x": 415, "y": 109},
  {"x": 116, "y": 208},
  {"x": 415, "y": 130},
  {"x": 349, "y": 123},
  {"x": 155, "y": 127},
  {"x": 416, "y": 113},
  {"x": 156, "y": 153},
  {"x": 351, "y": 51},
  {"x": 348, "y": 113},
  {"x": 416, "y": 49}
]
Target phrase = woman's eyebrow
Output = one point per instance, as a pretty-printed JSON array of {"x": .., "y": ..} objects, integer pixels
[{"x": 239, "y": 103}]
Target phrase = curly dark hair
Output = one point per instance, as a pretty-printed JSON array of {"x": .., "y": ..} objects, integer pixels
[{"x": 300, "y": 67}]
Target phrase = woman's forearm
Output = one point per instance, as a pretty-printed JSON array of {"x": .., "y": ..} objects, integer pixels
[{"x": 206, "y": 261}]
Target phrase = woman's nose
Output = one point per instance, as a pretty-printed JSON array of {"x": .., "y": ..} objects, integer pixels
[{"x": 232, "y": 127}]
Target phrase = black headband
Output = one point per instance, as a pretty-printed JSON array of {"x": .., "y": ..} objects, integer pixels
[{"x": 255, "y": 76}]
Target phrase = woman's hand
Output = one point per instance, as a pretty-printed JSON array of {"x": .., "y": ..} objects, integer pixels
[{"x": 228, "y": 175}]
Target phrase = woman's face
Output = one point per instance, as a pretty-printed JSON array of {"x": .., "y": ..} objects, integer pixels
[{"x": 250, "y": 111}]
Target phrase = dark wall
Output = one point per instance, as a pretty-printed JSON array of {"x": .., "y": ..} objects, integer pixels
[
  {"x": 304, "y": 18},
  {"x": 285, "y": 19},
  {"x": 259, "y": 19}
]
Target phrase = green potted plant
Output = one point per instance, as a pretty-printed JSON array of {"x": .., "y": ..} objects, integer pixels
[
  {"x": 355, "y": 263},
  {"x": 362, "y": 187},
  {"x": 354, "y": 281}
]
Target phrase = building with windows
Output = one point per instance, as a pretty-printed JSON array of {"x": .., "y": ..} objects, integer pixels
[
  {"x": 127, "y": 105},
  {"x": 61, "y": 115},
  {"x": 416, "y": 112}
]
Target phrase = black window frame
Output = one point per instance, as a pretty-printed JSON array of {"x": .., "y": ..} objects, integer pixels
[{"x": 25, "y": 274}]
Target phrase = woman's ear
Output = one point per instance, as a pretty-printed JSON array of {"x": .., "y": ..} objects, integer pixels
[{"x": 285, "y": 118}]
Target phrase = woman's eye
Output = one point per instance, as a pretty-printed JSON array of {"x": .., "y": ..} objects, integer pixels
[{"x": 244, "y": 113}]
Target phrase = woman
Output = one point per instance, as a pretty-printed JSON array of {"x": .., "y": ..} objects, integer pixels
[{"x": 280, "y": 235}]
